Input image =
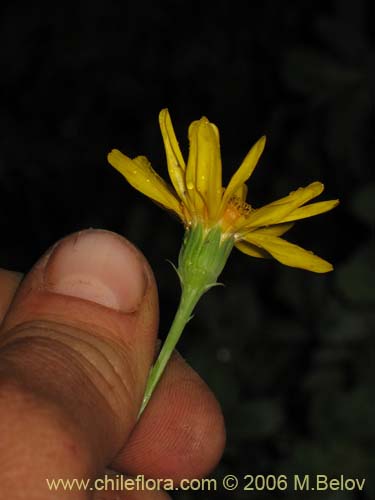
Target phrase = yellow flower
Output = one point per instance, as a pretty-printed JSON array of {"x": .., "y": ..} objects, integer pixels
[{"x": 198, "y": 197}]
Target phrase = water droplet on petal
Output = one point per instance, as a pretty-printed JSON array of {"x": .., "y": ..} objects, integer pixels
[
  {"x": 134, "y": 172},
  {"x": 190, "y": 185}
]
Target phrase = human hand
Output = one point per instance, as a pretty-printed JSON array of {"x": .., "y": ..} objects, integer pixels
[{"x": 77, "y": 340}]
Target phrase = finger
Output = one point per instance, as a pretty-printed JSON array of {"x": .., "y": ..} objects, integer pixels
[
  {"x": 9, "y": 282},
  {"x": 77, "y": 344},
  {"x": 181, "y": 433}
]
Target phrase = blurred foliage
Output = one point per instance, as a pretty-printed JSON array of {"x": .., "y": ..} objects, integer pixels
[{"x": 289, "y": 355}]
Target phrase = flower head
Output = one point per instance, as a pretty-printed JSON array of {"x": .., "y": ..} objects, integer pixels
[{"x": 198, "y": 197}]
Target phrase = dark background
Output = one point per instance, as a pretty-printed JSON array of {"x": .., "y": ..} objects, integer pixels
[{"x": 289, "y": 354}]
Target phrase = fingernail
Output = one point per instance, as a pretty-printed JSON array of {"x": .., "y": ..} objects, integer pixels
[{"x": 98, "y": 266}]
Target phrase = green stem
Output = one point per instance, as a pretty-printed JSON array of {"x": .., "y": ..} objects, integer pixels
[{"x": 188, "y": 301}]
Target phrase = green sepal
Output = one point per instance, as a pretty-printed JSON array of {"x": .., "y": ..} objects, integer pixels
[
  {"x": 202, "y": 257},
  {"x": 176, "y": 270}
]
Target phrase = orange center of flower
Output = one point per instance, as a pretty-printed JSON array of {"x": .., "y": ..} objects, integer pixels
[{"x": 236, "y": 212}]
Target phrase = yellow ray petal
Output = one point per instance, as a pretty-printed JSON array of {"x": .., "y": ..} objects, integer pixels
[
  {"x": 203, "y": 171},
  {"x": 289, "y": 254},
  {"x": 194, "y": 196},
  {"x": 278, "y": 210},
  {"x": 252, "y": 250},
  {"x": 139, "y": 173},
  {"x": 301, "y": 195},
  {"x": 276, "y": 230},
  {"x": 311, "y": 210},
  {"x": 175, "y": 160},
  {"x": 245, "y": 170}
]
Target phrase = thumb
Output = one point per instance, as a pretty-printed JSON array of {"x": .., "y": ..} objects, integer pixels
[{"x": 75, "y": 350}]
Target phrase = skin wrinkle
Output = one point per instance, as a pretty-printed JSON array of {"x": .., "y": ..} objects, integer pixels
[
  {"x": 109, "y": 374},
  {"x": 78, "y": 335},
  {"x": 79, "y": 406},
  {"x": 77, "y": 338},
  {"x": 56, "y": 357},
  {"x": 84, "y": 327},
  {"x": 25, "y": 390},
  {"x": 82, "y": 321}
]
